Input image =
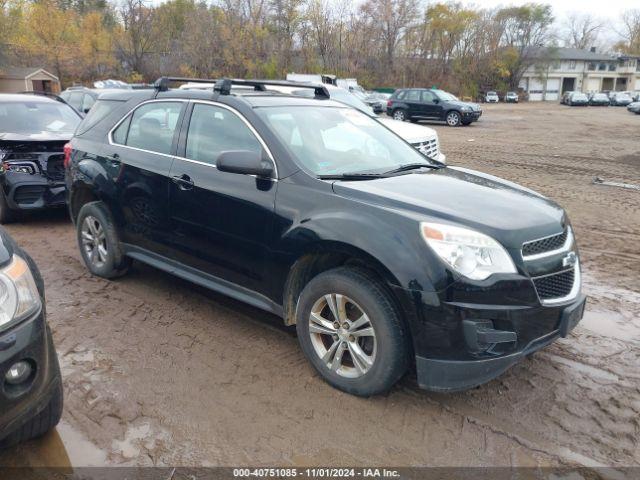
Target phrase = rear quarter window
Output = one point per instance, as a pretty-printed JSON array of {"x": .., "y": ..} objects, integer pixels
[{"x": 99, "y": 111}]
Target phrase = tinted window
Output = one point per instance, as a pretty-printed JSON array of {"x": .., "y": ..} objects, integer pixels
[
  {"x": 120, "y": 133},
  {"x": 213, "y": 130},
  {"x": 427, "y": 97},
  {"x": 75, "y": 100},
  {"x": 100, "y": 110},
  {"x": 412, "y": 96},
  {"x": 153, "y": 126},
  {"x": 87, "y": 102}
]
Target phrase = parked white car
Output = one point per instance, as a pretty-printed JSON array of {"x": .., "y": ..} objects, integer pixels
[
  {"x": 423, "y": 139},
  {"x": 491, "y": 97}
]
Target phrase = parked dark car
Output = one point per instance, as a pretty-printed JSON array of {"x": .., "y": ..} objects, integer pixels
[
  {"x": 83, "y": 98},
  {"x": 31, "y": 393},
  {"x": 511, "y": 97},
  {"x": 33, "y": 131},
  {"x": 599, "y": 99},
  {"x": 564, "y": 100},
  {"x": 577, "y": 99},
  {"x": 318, "y": 213},
  {"x": 634, "y": 107},
  {"x": 431, "y": 104}
]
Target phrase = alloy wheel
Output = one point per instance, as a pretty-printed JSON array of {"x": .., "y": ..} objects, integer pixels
[
  {"x": 453, "y": 119},
  {"x": 94, "y": 241},
  {"x": 399, "y": 115},
  {"x": 342, "y": 335}
]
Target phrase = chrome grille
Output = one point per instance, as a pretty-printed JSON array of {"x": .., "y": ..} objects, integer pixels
[
  {"x": 428, "y": 148},
  {"x": 555, "y": 285},
  {"x": 543, "y": 245}
]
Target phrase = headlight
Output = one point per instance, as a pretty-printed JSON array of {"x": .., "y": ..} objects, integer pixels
[
  {"x": 19, "y": 296},
  {"x": 466, "y": 109},
  {"x": 470, "y": 253}
]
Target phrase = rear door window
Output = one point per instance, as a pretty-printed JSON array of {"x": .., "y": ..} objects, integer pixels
[
  {"x": 412, "y": 96},
  {"x": 153, "y": 126}
]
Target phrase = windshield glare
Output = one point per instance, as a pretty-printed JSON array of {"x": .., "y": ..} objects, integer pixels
[
  {"x": 335, "y": 141},
  {"x": 32, "y": 118}
]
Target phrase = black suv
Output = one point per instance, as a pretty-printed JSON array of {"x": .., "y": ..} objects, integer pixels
[
  {"x": 31, "y": 391},
  {"x": 316, "y": 212},
  {"x": 431, "y": 104}
]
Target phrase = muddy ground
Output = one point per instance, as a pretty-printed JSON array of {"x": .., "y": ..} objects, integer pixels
[{"x": 157, "y": 371}]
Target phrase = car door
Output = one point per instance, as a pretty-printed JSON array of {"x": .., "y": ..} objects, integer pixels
[
  {"x": 221, "y": 221},
  {"x": 138, "y": 160},
  {"x": 414, "y": 103},
  {"x": 430, "y": 107}
]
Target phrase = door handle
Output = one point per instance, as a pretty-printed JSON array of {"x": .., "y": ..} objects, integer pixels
[{"x": 184, "y": 182}]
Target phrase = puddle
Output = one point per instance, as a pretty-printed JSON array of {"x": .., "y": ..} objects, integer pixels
[
  {"x": 62, "y": 447},
  {"x": 611, "y": 324}
]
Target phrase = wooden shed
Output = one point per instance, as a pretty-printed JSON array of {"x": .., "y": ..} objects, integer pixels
[{"x": 21, "y": 79}]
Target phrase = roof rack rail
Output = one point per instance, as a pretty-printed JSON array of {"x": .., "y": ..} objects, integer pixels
[
  {"x": 223, "y": 86},
  {"x": 162, "y": 83}
]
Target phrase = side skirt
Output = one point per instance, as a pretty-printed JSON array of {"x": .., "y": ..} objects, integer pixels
[{"x": 206, "y": 280}]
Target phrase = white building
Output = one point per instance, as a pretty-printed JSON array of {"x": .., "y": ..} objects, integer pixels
[{"x": 566, "y": 69}]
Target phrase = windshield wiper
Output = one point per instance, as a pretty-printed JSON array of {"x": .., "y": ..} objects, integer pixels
[
  {"x": 353, "y": 176},
  {"x": 412, "y": 166}
]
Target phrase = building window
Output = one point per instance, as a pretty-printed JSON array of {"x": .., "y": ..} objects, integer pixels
[
  {"x": 572, "y": 65},
  {"x": 556, "y": 65},
  {"x": 592, "y": 66},
  {"x": 612, "y": 67},
  {"x": 602, "y": 67}
]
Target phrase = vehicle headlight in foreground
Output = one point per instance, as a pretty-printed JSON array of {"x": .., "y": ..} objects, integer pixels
[
  {"x": 470, "y": 253},
  {"x": 19, "y": 296}
]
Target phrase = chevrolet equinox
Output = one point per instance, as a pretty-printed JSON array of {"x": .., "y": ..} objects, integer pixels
[{"x": 383, "y": 258}]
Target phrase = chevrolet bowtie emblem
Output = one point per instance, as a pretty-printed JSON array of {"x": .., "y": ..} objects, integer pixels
[{"x": 570, "y": 259}]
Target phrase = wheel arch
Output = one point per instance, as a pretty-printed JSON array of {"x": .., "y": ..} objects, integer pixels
[{"x": 321, "y": 257}]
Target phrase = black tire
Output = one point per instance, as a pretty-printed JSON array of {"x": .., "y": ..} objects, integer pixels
[
  {"x": 399, "y": 114},
  {"x": 453, "y": 118},
  {"x": 6, "y": 214},
  {"x": 111, "y": 261},
  {"x": 391, "y": 358},
  {"x": 46, "y": 420}
]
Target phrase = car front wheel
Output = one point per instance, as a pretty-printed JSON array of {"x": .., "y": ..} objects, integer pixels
[
  {"x": 399, "y": 115},
  {"x": 351, "y": 333},
  {"x": 453, "y": 119}
]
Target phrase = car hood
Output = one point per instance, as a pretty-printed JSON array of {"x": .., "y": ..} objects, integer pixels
[
  {"x": 458, "y": 103},
  {"x": 42, "y": 136},
  {"x": 6, "y": 247},
  {"x": 504, "y": 210},
  {"x": 408, "y": 131}
]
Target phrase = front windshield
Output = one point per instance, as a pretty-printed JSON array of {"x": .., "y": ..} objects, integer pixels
[
  {"x": 336, "y": 141},
  {"x": 579, "y": 96},
  {"x": 37, "y": 117},
  {"x": 447, "y": 97}
]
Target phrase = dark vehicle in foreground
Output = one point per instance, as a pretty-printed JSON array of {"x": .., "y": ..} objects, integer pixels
[
  {"x": 31, "y": 393},
  {"x": 577, "y": 99},
  {"x": 33, "y": 132},
  {"x": 311, "y": 210},
  {"x": 599, "y": 100},
  {"x": 431, "y": 104},
  {"x": 511, "y": 97}
]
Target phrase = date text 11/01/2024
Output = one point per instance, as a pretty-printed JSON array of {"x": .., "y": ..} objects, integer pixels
[{"x": 316, "y": 473}]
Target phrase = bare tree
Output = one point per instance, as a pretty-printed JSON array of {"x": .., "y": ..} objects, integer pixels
[
  {"x": 630, "y": 32},
  {"x": 135, "y": 41},
  {"x": 581, "y": 31}
]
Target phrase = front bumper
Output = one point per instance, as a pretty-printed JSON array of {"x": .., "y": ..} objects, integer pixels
[
  {"x": 473, "y": 116},
  {"x": 459, "y": 344},
  {"x": 29, "y": 340},
  {"x": 32, "y": 192}
]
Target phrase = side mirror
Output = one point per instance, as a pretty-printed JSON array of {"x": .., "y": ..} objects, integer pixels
[
  {"x": 436, "y": 100},
  {"x": 244, "y": 162}
]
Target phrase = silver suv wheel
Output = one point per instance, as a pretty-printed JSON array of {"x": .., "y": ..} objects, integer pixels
[
  {"x": 342, "y": 335},
  {"x": 94, "y": 241}
]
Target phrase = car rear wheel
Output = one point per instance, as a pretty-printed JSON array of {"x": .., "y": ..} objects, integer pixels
[
  {"x": 453, "y": 118},
  {"x": 400, "y": 115},
  {"x": 351, "y": 333},
  {"x": 99, "y": 242},
  {"x": 6, "y": 214}
]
